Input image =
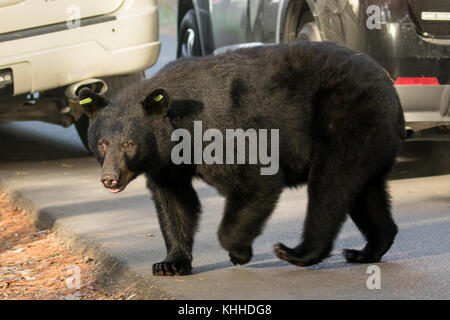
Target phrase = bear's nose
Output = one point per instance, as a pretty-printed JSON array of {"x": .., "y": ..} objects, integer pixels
[{"x": 110, "y": 180}]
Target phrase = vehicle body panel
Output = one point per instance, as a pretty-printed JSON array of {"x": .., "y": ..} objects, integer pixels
[{"x": 24, "y": 14}]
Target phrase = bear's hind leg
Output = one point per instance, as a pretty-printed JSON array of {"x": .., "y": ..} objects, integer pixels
[
  {"x": 331, "y": 192},
  {"x": 372, "y": 215}
]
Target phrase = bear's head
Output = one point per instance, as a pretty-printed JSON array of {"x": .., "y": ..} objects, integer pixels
[{"x": 126, "y": 135}]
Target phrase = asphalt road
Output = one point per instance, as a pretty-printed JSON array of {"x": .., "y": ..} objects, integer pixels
[{"x": 49, "y": 165}]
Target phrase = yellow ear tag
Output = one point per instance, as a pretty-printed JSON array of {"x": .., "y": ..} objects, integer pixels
[
  {"x": 85, "y": 101},
  {"x": 158, "y": 98}
]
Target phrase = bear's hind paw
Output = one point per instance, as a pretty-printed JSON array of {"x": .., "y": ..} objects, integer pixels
[
  {"x": 299, "y": 256},
  {"x": 359, "y": 256},
  {"x": 287, "y": 254}
]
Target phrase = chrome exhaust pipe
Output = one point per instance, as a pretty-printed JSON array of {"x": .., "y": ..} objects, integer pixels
[
  {"x": 73, "y": 109},
  {"x": 97, "y": 85},
  {"x": 409, "y": 132}
]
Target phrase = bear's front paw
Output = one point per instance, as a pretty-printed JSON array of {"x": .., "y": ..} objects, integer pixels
[
  {"x": 165, "y": 268},
  {"x": 241, "y": 256}
]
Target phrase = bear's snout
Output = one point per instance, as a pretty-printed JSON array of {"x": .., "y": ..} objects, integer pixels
[{"x": 110, "y": 180}]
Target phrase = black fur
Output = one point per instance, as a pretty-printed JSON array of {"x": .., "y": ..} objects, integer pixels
[
  {"x": 340, "y": 124},
  {"x": 238, "y": 89}
]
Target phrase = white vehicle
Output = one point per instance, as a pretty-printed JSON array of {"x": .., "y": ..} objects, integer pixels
[{"x": 50, "y": 49}]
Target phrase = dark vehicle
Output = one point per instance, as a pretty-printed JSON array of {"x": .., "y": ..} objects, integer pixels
[{"x": 409, "y": 38}]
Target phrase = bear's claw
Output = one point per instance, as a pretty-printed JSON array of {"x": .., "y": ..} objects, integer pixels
[{"x": 171, "y": 269}]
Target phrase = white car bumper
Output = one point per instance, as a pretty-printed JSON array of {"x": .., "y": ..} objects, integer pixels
[
  {"x": 425, "y": 105},
  {"x": 123, "y": 42}
]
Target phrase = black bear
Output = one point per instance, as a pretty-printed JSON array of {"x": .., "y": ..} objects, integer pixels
[{"x": 340, "y": 126}]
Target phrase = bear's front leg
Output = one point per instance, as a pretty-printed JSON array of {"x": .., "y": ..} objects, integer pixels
[
  {"x": 244, "y": 218},
  {"x": 178, "y": 209}
]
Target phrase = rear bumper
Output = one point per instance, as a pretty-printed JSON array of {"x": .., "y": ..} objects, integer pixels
[
  {"x": 127, "y": 43},
  {"x": 425, "y": 105}
]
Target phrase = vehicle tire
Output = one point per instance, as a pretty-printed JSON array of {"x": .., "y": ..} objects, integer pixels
[
  {"x": 189, "y": 36},
  {"x": 308, "y": 30},
  {"x": 300, "y": 24},
  {"x": 115, "y": 83}
]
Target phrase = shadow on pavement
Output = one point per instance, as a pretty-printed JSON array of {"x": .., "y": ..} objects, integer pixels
[
  {"x": 406, "y": 247},
  {"x": 422, "y": 158},
  {"x": 33, "y": 140}
]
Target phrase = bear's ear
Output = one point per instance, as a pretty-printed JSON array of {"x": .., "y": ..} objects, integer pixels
[
  {"x": 157, "y": 102},
  {"x": 91, "y": 102}
]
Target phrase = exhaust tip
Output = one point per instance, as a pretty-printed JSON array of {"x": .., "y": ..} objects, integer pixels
[
  {"x": 97, "y": 85},
  {"x": 409, "y": 132}
]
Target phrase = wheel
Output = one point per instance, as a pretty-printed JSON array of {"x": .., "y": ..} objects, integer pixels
[
  {"x": 115, "y": 83},
  {"x": 189, "y": 36},
  {"x": 308, "y": 29},
  {"x": 300, "y": 24}
]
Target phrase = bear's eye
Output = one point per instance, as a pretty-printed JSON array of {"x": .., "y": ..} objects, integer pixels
[
  {"x": 129, "y": 145},
  {"x": 102, "y": 145},
  {"x": 130, "y": 149}
]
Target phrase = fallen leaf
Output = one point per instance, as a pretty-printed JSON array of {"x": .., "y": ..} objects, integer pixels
[
  {"x": 132, "y": 296},
  {"x": 87, "y": 259}
]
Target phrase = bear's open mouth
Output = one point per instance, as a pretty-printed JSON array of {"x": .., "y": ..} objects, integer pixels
[
  {"x": 122, "y": 183},
  {"x": 117, "y": 188}
]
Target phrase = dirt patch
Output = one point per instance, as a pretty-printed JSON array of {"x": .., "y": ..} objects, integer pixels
[{"x": 36, "y": 265}]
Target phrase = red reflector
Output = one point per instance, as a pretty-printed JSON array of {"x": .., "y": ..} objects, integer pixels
[{"x": 417, "y": 81}]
